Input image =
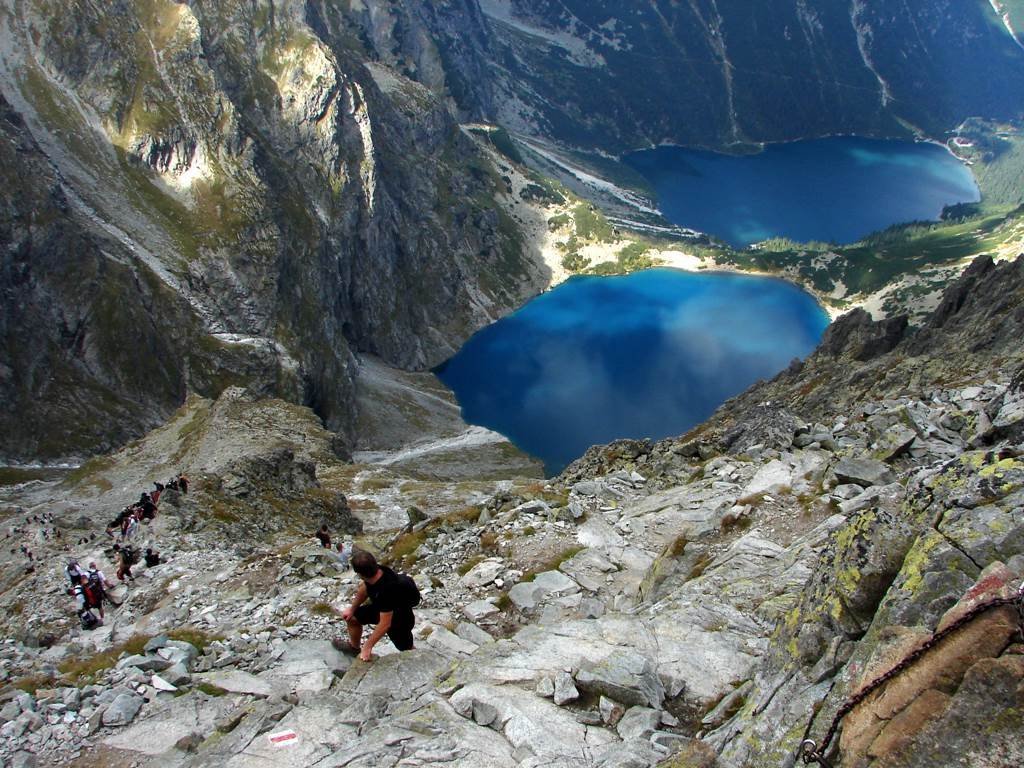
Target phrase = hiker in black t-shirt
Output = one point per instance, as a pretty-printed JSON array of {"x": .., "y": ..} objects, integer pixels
[{"x": 389, "y": 608}]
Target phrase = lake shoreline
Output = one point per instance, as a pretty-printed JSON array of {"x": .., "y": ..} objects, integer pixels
[{"x": 832, "y": 190}]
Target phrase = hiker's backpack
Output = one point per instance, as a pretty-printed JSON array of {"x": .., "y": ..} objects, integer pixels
[
  {"x": 131, "y": 554},
  {"x": 88, "y": 619},
  {"x": 409, "y": 589},
  {"x": 95, "y": 585}
]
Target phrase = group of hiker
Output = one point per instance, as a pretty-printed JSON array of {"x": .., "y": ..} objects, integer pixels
[
  {"x": 90, "y": 587},
  {"x": 126, "y": 524},
  {"x": 384, "y": 598},
  {"x": 39, "y": 528}
]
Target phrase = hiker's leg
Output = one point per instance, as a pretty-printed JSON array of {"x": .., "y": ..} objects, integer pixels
[
  {"x": 355, "y": 633},
  {"x": 365, "y": 614},
  {"x": 400, "y": 632}
]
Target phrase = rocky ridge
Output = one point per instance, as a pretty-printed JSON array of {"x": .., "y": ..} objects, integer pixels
[{"x": 705, "y": 601}]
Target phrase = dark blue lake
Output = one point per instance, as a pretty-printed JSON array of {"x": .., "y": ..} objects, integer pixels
[
  {"x": 646, "y": 355},
  {"x": 834, "y": 190}
]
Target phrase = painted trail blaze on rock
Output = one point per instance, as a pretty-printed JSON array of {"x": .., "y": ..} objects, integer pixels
[{"x": 283, "y": 738}]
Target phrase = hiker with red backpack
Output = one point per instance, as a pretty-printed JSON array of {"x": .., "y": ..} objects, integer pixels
[{"x": 87, "y": 600}]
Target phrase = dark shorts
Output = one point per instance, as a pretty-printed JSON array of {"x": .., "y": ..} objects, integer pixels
[{"x": 402, "y": 622}]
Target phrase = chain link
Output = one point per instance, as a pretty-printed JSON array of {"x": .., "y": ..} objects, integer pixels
[{"x": 809, "y": 750}]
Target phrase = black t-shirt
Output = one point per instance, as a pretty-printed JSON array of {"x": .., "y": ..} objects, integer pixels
[{"x": 387, "y": 593}]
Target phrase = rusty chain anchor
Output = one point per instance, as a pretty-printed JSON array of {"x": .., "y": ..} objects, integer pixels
[{"x": 810, "y": 752}]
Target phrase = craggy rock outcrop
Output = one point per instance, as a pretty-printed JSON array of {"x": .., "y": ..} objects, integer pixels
[
  {"x": 228, "y": 193},
  {"x": 95, "y": 347},
  {"x": 977, "y": 326}
]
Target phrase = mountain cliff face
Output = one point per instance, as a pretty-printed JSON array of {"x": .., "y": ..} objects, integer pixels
[
  {"x": 616, "y": 76},
  {"x": 229, "y": 193}
]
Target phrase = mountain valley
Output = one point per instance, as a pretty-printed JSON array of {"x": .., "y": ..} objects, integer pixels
[{"x": 238, "y": 236}]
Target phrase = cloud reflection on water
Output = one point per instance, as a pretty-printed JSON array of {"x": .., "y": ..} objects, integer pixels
[{"x": 648, "y": 355}]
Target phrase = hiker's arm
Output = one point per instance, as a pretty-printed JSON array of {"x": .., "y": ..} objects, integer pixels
[
  {"x": 358, "y": 599},
  {"x": 378, "y": 632}
]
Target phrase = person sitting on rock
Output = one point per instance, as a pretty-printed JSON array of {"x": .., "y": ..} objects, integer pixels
[
  {"x": 323, "y": 536},
  {"x": 344, "y": 554},
  {"x": 152, "y": 558},
  {"x": 389, "y": 608}
]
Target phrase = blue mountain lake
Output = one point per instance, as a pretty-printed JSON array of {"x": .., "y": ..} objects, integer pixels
[
  {"x": 646, "y": 355},
  {"x": 834, "y": 190}
]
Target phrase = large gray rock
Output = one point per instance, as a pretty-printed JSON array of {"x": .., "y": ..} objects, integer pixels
[
  {"x": 528, "y": 722},
  {"x": 145, "y": 663},
  {"x": 639, "y": 723},
  {"x": 122, "y": 710},
  {"x": 774, "y": 477},
  {"x": 170, "y": 722},
  {"x": 237, "y": 681},
  {"x": 472, "y": 633},
  {"x": 624, "y": 675},
  {"x": 397, "y": 676},
  {"x": 448, "y": 643},
  {"x": 480, "y": 609},
  {"x": 483, "y": 573},
  {"x": 565, "y": 690},
  {"x": 865, "y": 472}
]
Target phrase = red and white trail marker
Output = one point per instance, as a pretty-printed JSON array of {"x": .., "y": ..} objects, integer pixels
[{"x": 283, "y": 738}]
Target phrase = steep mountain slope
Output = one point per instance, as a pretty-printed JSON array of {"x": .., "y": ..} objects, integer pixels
[
  {"x": 292, "y": 203},
  {"x": 707, "y": 601},
  {"x": 615, "y": 76}
]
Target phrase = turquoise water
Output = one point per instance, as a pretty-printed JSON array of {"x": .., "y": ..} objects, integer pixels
[
  {"x": 834, "y": 190},
  {"x": 646, "y": 355}
]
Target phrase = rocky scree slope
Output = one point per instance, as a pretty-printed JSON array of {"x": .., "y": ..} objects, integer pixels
[
  {"x": 211, "y": 194},
  {"x": 696, "y": 602}
]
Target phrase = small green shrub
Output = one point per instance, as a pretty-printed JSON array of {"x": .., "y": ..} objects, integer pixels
[{"x": 323, "y": 609}]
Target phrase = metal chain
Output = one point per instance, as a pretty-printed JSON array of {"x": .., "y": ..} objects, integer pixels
[{"x": 809, "y": 750}]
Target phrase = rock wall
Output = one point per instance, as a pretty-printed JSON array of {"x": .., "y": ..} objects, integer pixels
[
  {"x": 297, "y": 203},
  {"x": 617, "y": 76}
]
